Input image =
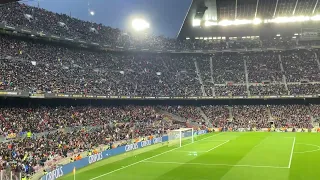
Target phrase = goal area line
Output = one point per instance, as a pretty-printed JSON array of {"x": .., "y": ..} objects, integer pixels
[
  {"x": 205, "y": 164},
  {"x": 222, "y": 142}
]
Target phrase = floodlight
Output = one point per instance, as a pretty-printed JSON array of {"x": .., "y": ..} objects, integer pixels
[
  {"x": 196, "y": 22},
  {"x": 302, "y": 18},
  {"x": 315, "y": 18},
  {"x": 140, "y": 24},
  {"x": 241, "y": 22},
  {"x": 92, "y": 13},
  {"x": 257, "y": 21},
  {"x": 226, "y": 23},
  {"x": 210, "y": 23},
  {"x": 290, "y": 19}
]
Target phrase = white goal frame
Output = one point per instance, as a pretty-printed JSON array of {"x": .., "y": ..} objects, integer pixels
[{"x": 180, "y": 131}]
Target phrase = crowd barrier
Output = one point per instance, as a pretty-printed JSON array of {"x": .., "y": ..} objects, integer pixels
[
  {"x": 68, "y": 168},
  {"x": 9, "y": 175}
]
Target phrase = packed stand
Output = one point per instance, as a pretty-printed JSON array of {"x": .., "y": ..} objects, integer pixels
[
  {"x": 268, "y": 90},
  {"x": 217, "y": 115},
  {"x": 38, "y": 19},
  {"x": 40, "y": 67},
  {"x": 189, "y": 113},
  {"x": 47, "y": 68},
  {"x": 59, "y": 131},
  {"x": 300, "y": 65},
  {"x": 231, "y": 90},
  {"x": 228, "y": 68},
  {"x": 280, "y": 42},
  {"x": 40, "y": 119},
  {"x": 244, "y": 44},
  {"x": 315, "y": 112},
  {"x": 50, "y": 23},
  {"x": 250, "y": 116},
  {"x": 306, "y": 89},
  {"x": 264, "y": 66},
  {"x": 291, "y": 116}
]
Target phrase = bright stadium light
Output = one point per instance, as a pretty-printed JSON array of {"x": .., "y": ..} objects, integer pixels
[
  {"x": 225, "y": 23},
  {"x": 92, "y": 13},
  {"x": 210, "y": 23},
  {"x": 140, "y": 24},
  {"x": 257, "y": 21},
  {"x": 302, "y": 18},
  {"x": 315, "y": 18},
  {"x": 242, "y": 21},
  {"x": 196, "y": 22},
  {"x": 289, "y": 19}
]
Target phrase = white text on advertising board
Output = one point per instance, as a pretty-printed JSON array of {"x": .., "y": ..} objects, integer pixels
[
  {"x": 55, "y": 174},
  {"x": 145, "y": 143},
  {"x": 131, "y": 147},
  {"x": 201, "y": 132},
  {"x": 157, "y": 140},
  {"x": 95, "y": 157}
]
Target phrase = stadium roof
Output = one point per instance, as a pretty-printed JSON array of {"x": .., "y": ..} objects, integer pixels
[{"x": 251, "y": 17}]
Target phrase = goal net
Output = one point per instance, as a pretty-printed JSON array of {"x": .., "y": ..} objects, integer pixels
[{"x": 180, "y": 137}]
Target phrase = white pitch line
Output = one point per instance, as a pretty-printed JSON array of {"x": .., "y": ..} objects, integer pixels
[
  {"x": 231, "y": 165},
  {"x": 215, "y": 140},
  {"x": 310, "y": 150},
  {"x": 193, "y": 151},
  {"x": 294, "y": 141},
  {"x": 124, "y": 167},
  {"x": 218, "y": 146}
]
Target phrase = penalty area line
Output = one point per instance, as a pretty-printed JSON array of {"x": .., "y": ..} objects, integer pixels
[
  {"x": 216, "y": 140},
  {"x": 292, "y": 148},
  {"x": 124, "y": 167},
  {"x": 204, "y": 164},
  {"x": 218, "y": 146}
]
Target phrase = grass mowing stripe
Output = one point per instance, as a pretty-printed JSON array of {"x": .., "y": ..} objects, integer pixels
[
  {"x": 294, "y": 141},
  {"x": 124, "y": 167},
  {"x": 204, "y": 164}
]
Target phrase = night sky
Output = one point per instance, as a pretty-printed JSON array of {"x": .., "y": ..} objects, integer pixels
[{"x": 165, "y": 16}]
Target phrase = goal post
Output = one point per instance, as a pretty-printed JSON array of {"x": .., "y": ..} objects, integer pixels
[{"x": 180, "y": 137}]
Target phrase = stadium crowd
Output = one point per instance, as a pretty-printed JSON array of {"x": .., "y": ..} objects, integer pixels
[
  {"x": 41, "y": 67},
  {"x": 59, "y": 131},
  {"x": 65, "y": 131},
  {"x": 46, "y": 22}
]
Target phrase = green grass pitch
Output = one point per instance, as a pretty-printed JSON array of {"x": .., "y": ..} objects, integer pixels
[{"x": 223, "y": 156}]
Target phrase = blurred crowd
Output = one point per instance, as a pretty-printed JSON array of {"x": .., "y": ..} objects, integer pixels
[
  {"x": 42, "y": 67},
  {"x": 34, "y": 66},
  {"x": 62, "y": 131},
  {"x": 50, "y": 23},
  {"x": 35, "y": 136},
  {"x": 249, "y": 116},
  {"x": 291, "y": 116},
  {"x": 46, "y": 67}
]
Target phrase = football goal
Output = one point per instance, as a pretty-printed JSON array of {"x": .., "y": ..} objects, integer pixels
[{"x": 180, "y": 137}]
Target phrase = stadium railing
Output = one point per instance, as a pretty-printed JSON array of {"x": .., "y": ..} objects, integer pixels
[{"x": 8, "y": 174}]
